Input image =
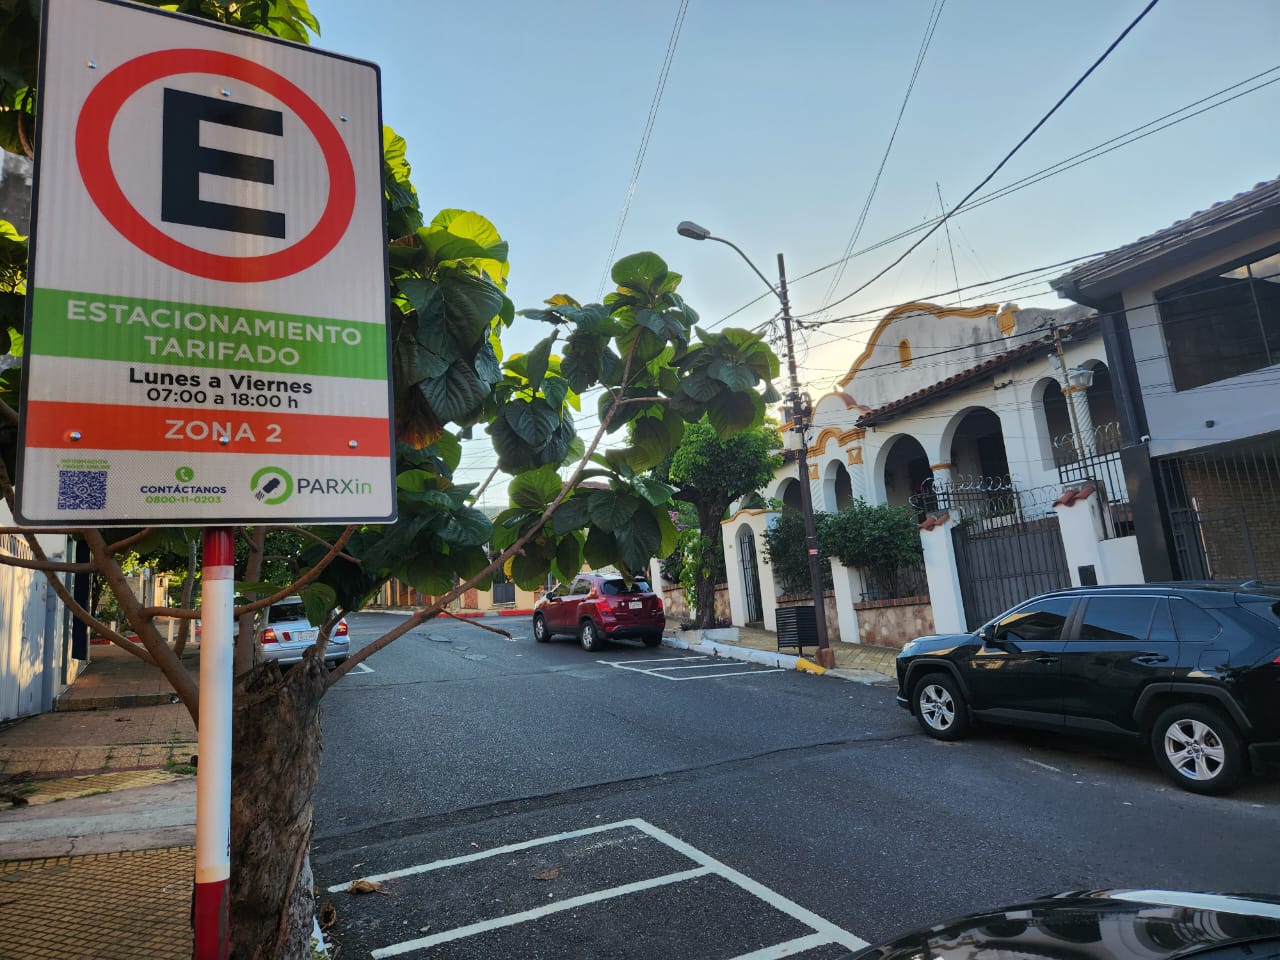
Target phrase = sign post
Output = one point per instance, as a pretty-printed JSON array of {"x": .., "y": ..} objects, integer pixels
[{"x": 206, "y": 332}]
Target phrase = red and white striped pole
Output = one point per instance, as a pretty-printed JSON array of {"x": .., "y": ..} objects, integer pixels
[{"x": 212, "y": 916}]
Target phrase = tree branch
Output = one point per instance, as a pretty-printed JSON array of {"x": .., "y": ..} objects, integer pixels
[
  {"x": 323, "y": 542},
  {"x": 128, "y": 542},
  {"x": 56, "y": 566},
  {"x": 434, "y": 609}
]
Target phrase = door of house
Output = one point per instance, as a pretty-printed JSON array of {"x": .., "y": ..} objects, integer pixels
[
  {"x": 1008, "y": 549},
  {"x": 750, "y": 575}
]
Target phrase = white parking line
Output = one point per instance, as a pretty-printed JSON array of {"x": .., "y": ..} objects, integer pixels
[
  {"x": 690, "y": 663},
  {"x": 362, "y": 668},
  {"x": 497, "y": 923},
  {"x": 824, "y": 932}
]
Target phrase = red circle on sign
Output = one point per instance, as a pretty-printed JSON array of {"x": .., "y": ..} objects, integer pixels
[{"x": 93, "y": 133}]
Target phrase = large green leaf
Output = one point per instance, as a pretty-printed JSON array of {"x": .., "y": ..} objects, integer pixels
[
  {"x": 509, "y": 525},
  {"x": 513, "y": 452},
  {"x": 318, "y": 600},
  {"x": 537, "y": 362},
  {"x": 535, "y": 489},
  {"x": 535, "y": 422},
  {"x": 645, "y": 272},
  {"x": 736, "y": 376},
  {"x": 733, "y": 412},
  {"x": 568, "y": 559},
  {"x": 601, "y": 549},
  {"x": 639, "y": 540},
  {"x": 654, "y": 491},
  {"x": 611, "y": 509},
  {"x": 470, "y": 303},
  {"x": 468, "y": 527},
  {"x": 573, "y": 514},
  {"x": 458, "y": 396},
  {"x": 428, "y": 573}
]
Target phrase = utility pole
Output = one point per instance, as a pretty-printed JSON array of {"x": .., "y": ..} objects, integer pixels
[{"x": 800, "y": 412}]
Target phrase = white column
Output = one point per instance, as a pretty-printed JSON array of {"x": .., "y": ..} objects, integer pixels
[
  {"x": 733, "y": 572},
  {"x": 1082, "y": 535},
  {"x": 848, "y": 590},
  {"x": 944, "y": 577}
]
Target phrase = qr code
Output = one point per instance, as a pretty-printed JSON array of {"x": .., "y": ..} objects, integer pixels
[{"x": 82, "y": 489}]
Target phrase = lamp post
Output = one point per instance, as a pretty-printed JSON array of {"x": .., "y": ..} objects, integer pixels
[{"x": 799, "y": 412}]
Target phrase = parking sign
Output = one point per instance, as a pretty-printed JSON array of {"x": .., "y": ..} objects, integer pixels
[{"x": 206, "y": 338}]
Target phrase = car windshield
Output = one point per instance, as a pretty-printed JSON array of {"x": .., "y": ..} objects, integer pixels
[
  {"x": 289, "y": 610},
  {"x": 612, "y": 588}
]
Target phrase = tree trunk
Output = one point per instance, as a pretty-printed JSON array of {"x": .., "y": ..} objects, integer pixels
[
  {"x": 276, "y": 748},
  {"x": 710, "y": 513}
]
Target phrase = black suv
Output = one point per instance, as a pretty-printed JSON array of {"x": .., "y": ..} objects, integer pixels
[{"x": 1194, "y": 668}]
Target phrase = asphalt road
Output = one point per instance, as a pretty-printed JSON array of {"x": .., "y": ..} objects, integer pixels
[{"x": 516, "y": 799}]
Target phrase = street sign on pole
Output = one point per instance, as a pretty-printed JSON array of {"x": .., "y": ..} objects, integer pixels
[{"x": 206, "y": 338}]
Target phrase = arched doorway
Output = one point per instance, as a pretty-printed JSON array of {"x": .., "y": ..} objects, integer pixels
[
  {"x": 789, "y": 494},
  {"x": 750, "y": 575},
  {"x": 837, "y": 487},
  {"x": 977, "y": 446},
  {"x": 905, "y": 472}
]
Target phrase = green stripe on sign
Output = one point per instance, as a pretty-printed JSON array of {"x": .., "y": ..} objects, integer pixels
[{"x": 100, "y": 327}]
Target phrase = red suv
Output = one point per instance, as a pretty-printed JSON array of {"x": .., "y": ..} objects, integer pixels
[{"x": 596, "y": 607}]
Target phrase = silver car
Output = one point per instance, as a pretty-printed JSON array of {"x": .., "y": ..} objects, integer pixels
[{"x": 285, "y": 634}]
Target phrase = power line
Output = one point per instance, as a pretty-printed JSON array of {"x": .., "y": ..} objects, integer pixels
[
  {"x": 932, "y": 25},
  {"x": 644, "y": 140},
  {"x": 1008, "y": 156}
]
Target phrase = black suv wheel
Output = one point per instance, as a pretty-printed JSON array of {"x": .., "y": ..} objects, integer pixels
[
  {"x": 1196, "y": 747},
  {"x": 940, "y": 707}
]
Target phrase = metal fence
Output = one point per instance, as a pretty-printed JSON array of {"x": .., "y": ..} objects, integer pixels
[
  {"x": 1099, "y": 463},
  {"x": 1223, "y": 507},
  {"x": 895, "y": 583}
]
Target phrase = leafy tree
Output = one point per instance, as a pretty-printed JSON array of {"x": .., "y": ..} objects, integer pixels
[
  {"x": 710, "y": 471},
  {"x": 655, "y": 369},
  {"x": 786, "y": 549}
]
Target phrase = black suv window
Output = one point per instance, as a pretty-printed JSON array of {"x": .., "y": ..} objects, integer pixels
[
  {"x": 581, "y": 587},
  {"x": 1117, "y": 619},
  {"x": 1192, "y": 622},
  {"x": 1036, "y": 622}
]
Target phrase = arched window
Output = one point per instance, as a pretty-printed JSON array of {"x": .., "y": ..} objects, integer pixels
[{"x": 904, "y": 353}]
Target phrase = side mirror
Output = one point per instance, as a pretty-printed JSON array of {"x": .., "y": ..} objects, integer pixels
[{"x": 988, "y": 634}]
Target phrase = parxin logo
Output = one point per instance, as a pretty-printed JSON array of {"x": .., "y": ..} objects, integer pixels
[{"x": 274, "y": 485}]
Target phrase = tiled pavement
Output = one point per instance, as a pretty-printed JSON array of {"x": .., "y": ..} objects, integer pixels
[{"x": 114, "y": 906}]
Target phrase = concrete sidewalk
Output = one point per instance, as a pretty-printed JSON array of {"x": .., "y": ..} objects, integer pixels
[{"x": 99, "y": 860}]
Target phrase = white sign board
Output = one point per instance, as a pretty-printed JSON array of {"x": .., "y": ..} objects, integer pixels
[{"x": 207, "y": 307}]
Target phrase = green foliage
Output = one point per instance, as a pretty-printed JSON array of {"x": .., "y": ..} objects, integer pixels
[
  {"x": 640, "y": 345},
  {"x": 870, "y": 537},
  {"x": 707, "y": 467},
  {"x": 785, "y": 549},
  {"x": 701, "y": 561}
]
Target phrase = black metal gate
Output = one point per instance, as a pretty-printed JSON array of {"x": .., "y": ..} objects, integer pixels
[
  {"x": 1221, "y": 504},
  {"x": 750, "y": 575},
  {"x": 1008, "y": 544}
]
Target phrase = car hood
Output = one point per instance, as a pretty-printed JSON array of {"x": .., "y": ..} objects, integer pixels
[
  {"x": 1095, "y": 925},
  {"x": 936, "y": 641}
]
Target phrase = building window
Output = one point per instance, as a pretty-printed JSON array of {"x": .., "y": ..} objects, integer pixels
[
  {"x": 904, "y": 353},
  {"x": 1223, "y": 325}
]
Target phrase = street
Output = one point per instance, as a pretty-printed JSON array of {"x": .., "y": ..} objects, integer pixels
[{"x": 516, "y": 799}]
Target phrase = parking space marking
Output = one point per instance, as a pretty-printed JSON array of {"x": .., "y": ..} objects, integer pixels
[
  {"x": 824, "y": 932},
  {"x": 497, "y": 923},
  {"x": 691, "y": 663},
  {"x": 362, "y": 667}
]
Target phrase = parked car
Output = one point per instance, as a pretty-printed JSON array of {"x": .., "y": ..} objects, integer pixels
[
  {"x": 1192, "y": 668},
  {"x": 285, "y": 634},
  {"x": 1102, "y": 925},
  {"x": 597, "y": 607}
]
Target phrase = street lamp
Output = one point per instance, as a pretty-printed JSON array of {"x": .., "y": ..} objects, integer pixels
[{"x": 799, "y": 412}]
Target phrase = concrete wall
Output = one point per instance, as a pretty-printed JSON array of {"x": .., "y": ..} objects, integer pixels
[{"x": 1239, "y": 407}]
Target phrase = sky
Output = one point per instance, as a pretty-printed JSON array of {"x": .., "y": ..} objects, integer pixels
[{"x": 773, "y": 120}]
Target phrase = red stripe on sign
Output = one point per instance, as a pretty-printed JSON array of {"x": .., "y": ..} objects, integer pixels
[{"x": 72, "y": 426}]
